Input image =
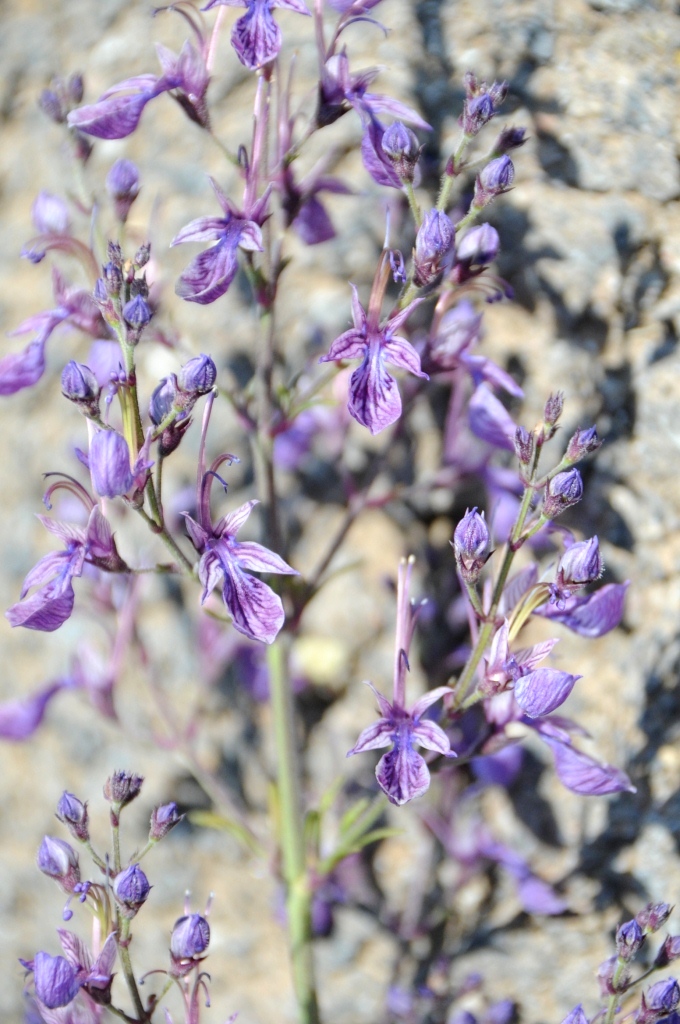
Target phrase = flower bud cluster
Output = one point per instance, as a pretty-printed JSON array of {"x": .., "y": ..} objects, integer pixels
[{"x": 122, "y": 293}]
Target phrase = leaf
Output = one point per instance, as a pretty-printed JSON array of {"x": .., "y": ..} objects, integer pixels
[{"x": 209, "y": 819}]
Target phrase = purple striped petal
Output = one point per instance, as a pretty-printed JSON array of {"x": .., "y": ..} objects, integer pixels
[
  {"x": 210, "y": 573},
  {"x": 256, "y": 610},
  {"x": 402, "y": 774},
  {"x": 350, "y": 345},
  {"x": 428, "y": 734},
  {"x": 592, "y": 615},
  {"x": 47, "y": 609},
  {"x": 584, "y": 775},
  {"x": 256, "y": 37},
  {"x": 379, "y": 734},
  {"x": 232, "y": 523},
  {"x": 427, "y": 700},
  {"x": 46, "y": 569},
  {"x": 401, "y": 353},
  {"x": 374, "y": 399},
  {"x": 257, "y": 558},
  {"x": 540, "y": 692},
  {"x": 115, "y": 117},
  {"x": 203, "y": 229},
  {"x": 209, "y": 274}
]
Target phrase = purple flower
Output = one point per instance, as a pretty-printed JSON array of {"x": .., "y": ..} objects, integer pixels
[
  {"x": 497, "y": 177},
  {"x": 629, "y": 939},
  {"x": 256, "y": 37},
  {"x": 400, "y": 145},
  {"x": 582, "y": 443},
  {"x": 131, "y": 889},
  {"x": 563, "y": 491},
  {"x": 374, "y": 399},
  {"x": 57, "y": 859},
  {"x": 471, "y": 544},
  {"x": 490, "y": 420},
  {"x": 434, "y": 248},
  {"x": 658, "y": 1001},
  {"x": 50, "y": 215},
  {"x": 20, "y": 370},
  {"x": 187, "y": 78},
  {"x": 19, "y": 718},
  {"x": 577, "y": 1016},
  {"x": 590, "y": 615},
  {"x": 188, "y": 943},
  {"x": 56, "y": 981},
  {"x": 110, "y": 464},
  {"x": 479, "y": 246},
  {"x": 163, "y": 819},
  {"x": 481, "y": 104},
  {"x": 211, "y": 272},
  {"x": 580, "y": 564},
  {"x": 52, "y": 603},
  {"x": 255, "y": 609},
  {"x": 122, "y": 184},
  {"x": 73, "y": 813},
  {"x": 121, "y": 788},
  {"x": 538, "y": 691},
  {"x": 402, "y": 773}
]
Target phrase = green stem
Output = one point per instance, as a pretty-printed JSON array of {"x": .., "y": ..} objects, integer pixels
[
  {"x": 126, "y": 962},
  {"x": 448, "y": 179},
  {"x": 298, "y": 901},
  {"x": 614, "y": 999},
  {"x": 413, "y": 203}
]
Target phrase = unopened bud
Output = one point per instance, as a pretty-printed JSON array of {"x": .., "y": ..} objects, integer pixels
[
  {"x": 510, "y": 138},
  {"x": 669, "y": 952},
  {"x": 72, "y": 812},
  {"x": 400, "y": 145},
  {"x": 198, "y": 376},
  {"x": 479, "y": 246},
  {"x": 562, "y": 492},
  {"x": 581, "y": 444},
  {"x": 629, "y": 939},
  {"x": 121, "y": 788},
  {"x": 497, "y": 177},
  {"x": 57, "y": 859},
  {"x": 581, "y": 563},
  {"x": 79, "y": 385},
  {"x": 658, "y": 1001},
  {"x": 143, "y": 255},
  {"x": 653, "y": 916},
  {"x": 434, "y": 247},
  {"x": 470, "y": 544},
  {"x": 189, "y": 941},
  {"x": 553, "y": 408},
  {"x": 163, "y": 819},
  {"x": 131, "y": 889},
  {"x": 525, "y": 445},
  {"x": 122, "y": 183},
  {"x": 137, "y": 315}
]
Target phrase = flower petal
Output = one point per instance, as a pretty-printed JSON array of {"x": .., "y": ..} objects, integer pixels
[
  {"x": 379, "y": 734},
  {"x": 592, "y": 615},
  {"x": 209, "y": 274},
  {"x": 115, "y": 117},
  {"x": 255, "y": 608},
  {"x": 21, "y": 717},
  {"x": 402, "y": 774},
  {"x": 428, "y": 734},
  {"x": 374, "y": 399},
  {"x": 23, "y": 369},
  {"x": 47, "y": 609},
  {"x": 210, "y": 573},
  {"x": 232, "y": 523},
  {"x": 256, "y": 37},
  {"x": 312, "y": 222},
  {"x": 427, "y": 700},
  {"x": 490, "y": 420},
  {"x": 256, "y": 557},
  {"x": 386, "y": 709},
  {"x": 203, "y": 229},
  {"x": 350, "y": 345},
  {"x": 540, "y": 692},
  {"x": 401, "y": 353},
  {"x": 583, "y": 774}
]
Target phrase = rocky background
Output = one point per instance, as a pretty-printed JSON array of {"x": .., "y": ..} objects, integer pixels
[{"x": 591, "y": 246}]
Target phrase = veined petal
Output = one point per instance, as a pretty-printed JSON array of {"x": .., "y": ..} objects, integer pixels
[
  {"x": 358, "y": 311},
  {"x": 257, "y": 558},
  {"x": 47, "y": 609},
  {"x": 402, "y": 774},
  {"x": 256, "y": 37},
  {"x": 350, "y": 345},
  {"x": 210, "y": 573},
  {"x": 312, "y": 222},
  {"x": 401, "y": 353},
  {"x": 482, "y": 369},
  {"x": 428, "y": 734},
  {"x": 66, "y": 532},
  {"x": 399, "y": 317},
  {"x": 374, "y": 736},
  {"x": 386, "y": 709},
  {"x": 250, "y": 236},
  {"x": 290, "y": 5},
  {"x": 584, "y": 774},
  {"x": 115, "y": 117},
  {"x": 379, "y": 104},
  {"x": 203, "y": 229},
  {"x": 20, "y": 718},
  {"x": 375, "y": 162},
  {"x": 540, "y": 692},
  {"x": 209, "y": 274},
  {"x": 256, "y": 610},
  {"x": 23, "y": 369},
  {"x": 592, "y": 615},
  {"x": 46, "y": 569},
  {"x": 427, "y": 700},
  {"x": 374, "y": 399},
  {"x": 233, "y": 521},
  {"x": 528, "y": 658},
  {"x": 198, "y": 536}
]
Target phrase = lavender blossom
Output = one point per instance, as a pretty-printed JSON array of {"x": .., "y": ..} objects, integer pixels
[
  {"x": 73, "y": 813},
  {"x": 582, "y": 443},
  {"x": 583, "y": 774},
  {"x": 494, "y": 179},
  {"x": 131, "y": 889},
  {"x": 471, "y": 545},
  {"x": 629, "y": 939},
  {"x": 163, "y": 819},
  {"x": 402, "y": 773},
  {"x": 563, "y": 491},
  {"x": 121, "y": 788},
  {"x": 479, "y": 246},
  {"x": 256, "y": 37},
  {"x": 659, "y": 1000},
  {"x": 188, "y": 943},
  {"x": 481, "y": 104},
  {"x": 56, "y": 981},
  {"x": 580, "y": 564},
  {"x": 211, "y": 272},
  {"x": 400, "y": 145},
  {"x": 490, "y": 420},
  {"x": 374, "y": 399},
  {"x": 20, "y": 717},
  {"x": 122, "y": 183},
  {"x": 50, "y": 215},
  {"x": 59, "y": 860},
  {"x": 590, "y": 615},
  {"x": 434, "y": 249}
]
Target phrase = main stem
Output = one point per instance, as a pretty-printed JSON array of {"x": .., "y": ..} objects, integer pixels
[{"x": 298, "y": 897}]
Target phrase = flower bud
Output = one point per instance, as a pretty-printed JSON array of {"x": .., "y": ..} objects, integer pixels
[
  {"x": 121, "y": 788},
  {"x": 50, "y": 104},
  {"x": 136, "y": 314},
  {"x": 113, "y": 279},
  {"x": 110, "y": 464},
  {"x": 122, "y": 183},
  {"x": 553, "y": 408},
  {"x": 658, "y": 1001},
  {"x": 163, "y": 819},
  {"x": 57, "y": 859},
  {"x": 581, "y": 563},
  {"x": 143, "y": 255},
  {"x": 629, "y": 939},
  {"x": 562, "y": 491},
  {"x": 198, "y": 376},
  {"x": 434, "y": 247},
  {"x": 50, "y": 215},
  {"x": 581, "y": 444},
  {"x": 470, "y": 544},
  {"x": 189, "y": 941},
  {"x": 72, "y": 812},
  {"x": 525, "y": 445},
  {"x": 481, "y": 104},
  {"x": 400, "y": 145},
  {"x": 75, "y": 88},
  {"x": 56, "y": 981},
  {"x": 79, "y": 385},
  {"x": 669, "y": 952},
  {"x": 653, "y": 916},
  {"x": 497, "y": 177},
  {"x": 510, "y": 138},
  {"x": 479, "y": 246},
  {"x": 605, "y": 976},
  {"x": 131, "y": 889},
  {"x": 162, "y": 401}
]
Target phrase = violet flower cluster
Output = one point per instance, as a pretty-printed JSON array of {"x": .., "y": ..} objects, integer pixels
[{"x": 79, "y": 984}]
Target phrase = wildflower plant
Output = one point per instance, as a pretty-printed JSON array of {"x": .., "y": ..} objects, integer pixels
[{"x": 421, "y": 320}]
